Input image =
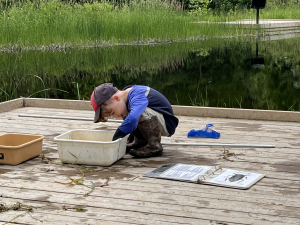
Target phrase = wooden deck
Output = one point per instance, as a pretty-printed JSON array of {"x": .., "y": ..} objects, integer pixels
[{"x": 123, "y": 196}]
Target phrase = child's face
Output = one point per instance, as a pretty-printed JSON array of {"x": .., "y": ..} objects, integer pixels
[{"x": 117, "y": 109}]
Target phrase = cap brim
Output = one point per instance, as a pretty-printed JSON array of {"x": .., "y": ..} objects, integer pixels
[{"x": 97, "y": 115}]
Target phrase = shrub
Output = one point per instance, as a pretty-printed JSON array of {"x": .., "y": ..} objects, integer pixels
[
  {"x": 201, "y": 6},
  {"x": 198, "y": 6},
  {"x": 227, "y": 5}
]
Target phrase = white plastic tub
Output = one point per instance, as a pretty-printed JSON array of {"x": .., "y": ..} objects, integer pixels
[{"x": 91, "y": 147}]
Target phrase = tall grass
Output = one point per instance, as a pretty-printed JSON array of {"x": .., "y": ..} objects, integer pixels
[
  {"x": 55, "y": 24},
  {"x": 63, "y": 24},
  {"x": 10, "y": 90},
  {"x": 275, "y": 9}
]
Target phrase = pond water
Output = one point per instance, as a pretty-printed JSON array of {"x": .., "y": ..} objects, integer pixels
[{"x": 216, "y": 73}]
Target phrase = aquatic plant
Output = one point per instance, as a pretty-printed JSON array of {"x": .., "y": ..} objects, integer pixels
[
  {"x": 10, "y": 90},
  {"x": 58, "y": 25}
]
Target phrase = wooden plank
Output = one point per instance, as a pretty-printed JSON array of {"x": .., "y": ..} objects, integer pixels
[
  {"x": 251, "y": 114},
  {"x": 130, "y": 164},
  {"x": 173, "y": 138},
  {"x": 196, "y": 212},
  {"x": 261, "y": 193},
  {"x": 266, "y": 183},
  {"x": 160, "y": 180},
  {"x": 257, "y": 156},
  {"x": 188, "y": 123},
  {"x": 257, "y": 124},
  {"x": 11, "y": 105},
  {"x": 271, "y": 169},
  {"x": 94, "y": 214},
  {"x": 235, "y": 128},
  {"x": 262, "y": 203},
  {"x": 58, "y": 103},
  {"x": 276, "y": 131},
  {"x": 252, "y": 136},
  {"x": 212, "y": 112},
  {"x": 58, "y": 218},
  {"x": 272, "y": 200}
]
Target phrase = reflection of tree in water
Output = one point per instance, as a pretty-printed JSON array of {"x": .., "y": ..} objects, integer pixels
[{"x": 203, "y": 73}]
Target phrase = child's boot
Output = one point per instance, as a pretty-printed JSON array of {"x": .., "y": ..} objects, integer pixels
[
  {"x": 138, "y": 140},
  {"x": 151, "y": 132}
]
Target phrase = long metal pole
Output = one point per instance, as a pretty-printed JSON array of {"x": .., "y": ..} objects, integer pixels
[
  {"x": 66, "y": 118},
  {"x": 163, "y": 143},
  {"x": 220, "y": 145}
]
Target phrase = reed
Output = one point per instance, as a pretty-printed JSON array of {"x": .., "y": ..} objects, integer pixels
[
  {"x": 63, "y": 24},
  {"x": 11, "y": 88},
  {"x": 56, "y": 25}
]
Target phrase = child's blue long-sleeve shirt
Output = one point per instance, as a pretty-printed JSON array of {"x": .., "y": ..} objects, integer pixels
[{"x": 137, "y": 101}]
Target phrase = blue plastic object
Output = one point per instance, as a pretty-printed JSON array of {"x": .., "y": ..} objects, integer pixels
[{"x": 207, "y": 132}]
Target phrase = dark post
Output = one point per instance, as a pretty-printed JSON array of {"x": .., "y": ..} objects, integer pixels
[
  {"x": 256, "y": 49},
  {"x": 257, "y": 61},
  {"x": 258, "y": 4}
]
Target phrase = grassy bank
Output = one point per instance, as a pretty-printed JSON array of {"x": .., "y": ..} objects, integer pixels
[
  {"x": 61, "y": 24},
  {"x": 55, "y": 25}
]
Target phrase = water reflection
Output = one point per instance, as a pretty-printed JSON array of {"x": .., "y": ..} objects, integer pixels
[
  {"x": 212, "y": 73},
  {"x": 257, "y": 61}
]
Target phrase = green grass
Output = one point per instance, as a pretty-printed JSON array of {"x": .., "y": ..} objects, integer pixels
[
  {"x": 54, "y": 25},
  {"x": 57, "y": 24},
  {"x": 10, "y": 90},
  {"x": 275, "y": 9}
]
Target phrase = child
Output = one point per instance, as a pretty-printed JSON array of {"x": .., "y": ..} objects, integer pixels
[{"x": 147, "y": 115}]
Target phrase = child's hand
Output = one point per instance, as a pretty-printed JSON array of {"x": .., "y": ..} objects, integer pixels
[{"x": 130, "y": 139}]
